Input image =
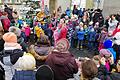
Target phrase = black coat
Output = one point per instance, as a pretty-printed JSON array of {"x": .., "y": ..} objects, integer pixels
[
  {"x": 75, "y": 11},
  {"x": 14, "y": 55},
  {"x": 1, "y": 44}
]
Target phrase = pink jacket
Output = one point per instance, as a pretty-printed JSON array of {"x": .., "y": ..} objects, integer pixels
[{"x": 27, "y": 31}]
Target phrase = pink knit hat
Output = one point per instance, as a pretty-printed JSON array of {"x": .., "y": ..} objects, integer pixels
[
  {"x": 62, "y": 45},
  {"x": 105, "y": 52},
  {"x": 10, "y": 37}
]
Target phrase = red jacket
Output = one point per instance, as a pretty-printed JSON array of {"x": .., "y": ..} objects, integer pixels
[
  {"x": 62, "y": 64},
  {"x": 6, "y": 23},
  {"x": 63, "y": 33}
]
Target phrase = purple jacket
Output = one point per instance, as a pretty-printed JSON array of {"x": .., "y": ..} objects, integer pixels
[{"x": 62, "y": 64}]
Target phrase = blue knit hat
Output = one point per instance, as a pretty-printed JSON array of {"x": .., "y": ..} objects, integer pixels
[{"x": 108, "y": 44}]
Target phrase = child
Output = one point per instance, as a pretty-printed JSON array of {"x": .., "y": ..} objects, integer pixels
[
  {"x": 80, "y": 36},
  {"x": 106, "y": 58},
  {"x": 27, "y": 33},
  {"x": 91, "y": 36},
  {"x": 109, "y": 36},
  {"x": 108, "y": 46},
  {"x": 101, "y": 38},
  {"x": 103, "y": 73}
]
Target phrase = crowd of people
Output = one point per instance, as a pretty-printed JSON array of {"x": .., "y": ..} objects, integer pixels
[{"x": 46, "y": 55}]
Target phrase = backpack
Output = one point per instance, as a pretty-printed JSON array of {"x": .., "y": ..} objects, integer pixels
[{"x": 24, "y": 75}]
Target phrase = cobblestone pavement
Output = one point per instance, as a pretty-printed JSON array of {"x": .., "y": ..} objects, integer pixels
[{"x": 83, "y": 53}]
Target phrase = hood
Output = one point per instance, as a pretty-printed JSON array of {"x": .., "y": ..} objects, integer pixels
[
  {"x": 14, "y": 55},
  {"x": 41, "y": 50},
  {"x": 61, "y": 59}
]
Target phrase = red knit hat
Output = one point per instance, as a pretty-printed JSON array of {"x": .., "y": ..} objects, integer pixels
[{"x": 10, "y": 37}]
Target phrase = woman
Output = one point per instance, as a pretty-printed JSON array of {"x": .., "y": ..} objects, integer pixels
[
  {"x": 61, "y": 61},
  {"x": 89, "y": 70},
  {"x": 40, "y": 50}
]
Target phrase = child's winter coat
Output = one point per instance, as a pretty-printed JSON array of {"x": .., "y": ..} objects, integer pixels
[
  {"x": 91, "y": 36},
  {"x": 27, "y": 31},
  {"x": 80, "y": 35}
]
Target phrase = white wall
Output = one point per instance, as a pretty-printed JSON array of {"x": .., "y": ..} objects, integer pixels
[{"x": 63, "y": 3}]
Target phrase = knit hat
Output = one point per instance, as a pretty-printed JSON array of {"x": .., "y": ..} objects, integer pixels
[
  {"x": 104, "y": 52},
  {"x": 62, "y": 45},
  {"x": 15, "y": 30},
  {"x": 43, "y": 40},
  {"x": 108, "y": 44},
  {"x": 10, "y": 37}
]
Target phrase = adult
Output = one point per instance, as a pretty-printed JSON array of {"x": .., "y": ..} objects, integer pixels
[
  {"x": 63, "y": 31},
  {"x": 112, "y": 23},
  {"x": 116, "y": 41},
  {"x": 59, "y": 11},
  {"x": 61, "y": 61},
  {"x": 9, "y": 12},
  {"x": 41, "y": 49},
  {"x": 98, "y": 17},
  {"x": 75, "y": 10},
  {"x": 15, "y": 15},
  {"x": 5, "y": 21}
]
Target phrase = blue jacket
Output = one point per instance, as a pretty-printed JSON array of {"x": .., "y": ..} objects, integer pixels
[
  {"x": 113, "y": 53},
  {"x": 24, "y": 75},
  {"x": 68, "y": 12},
  {"x": 91, "y": 36},
  {"x": 80, "y": 35}
]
